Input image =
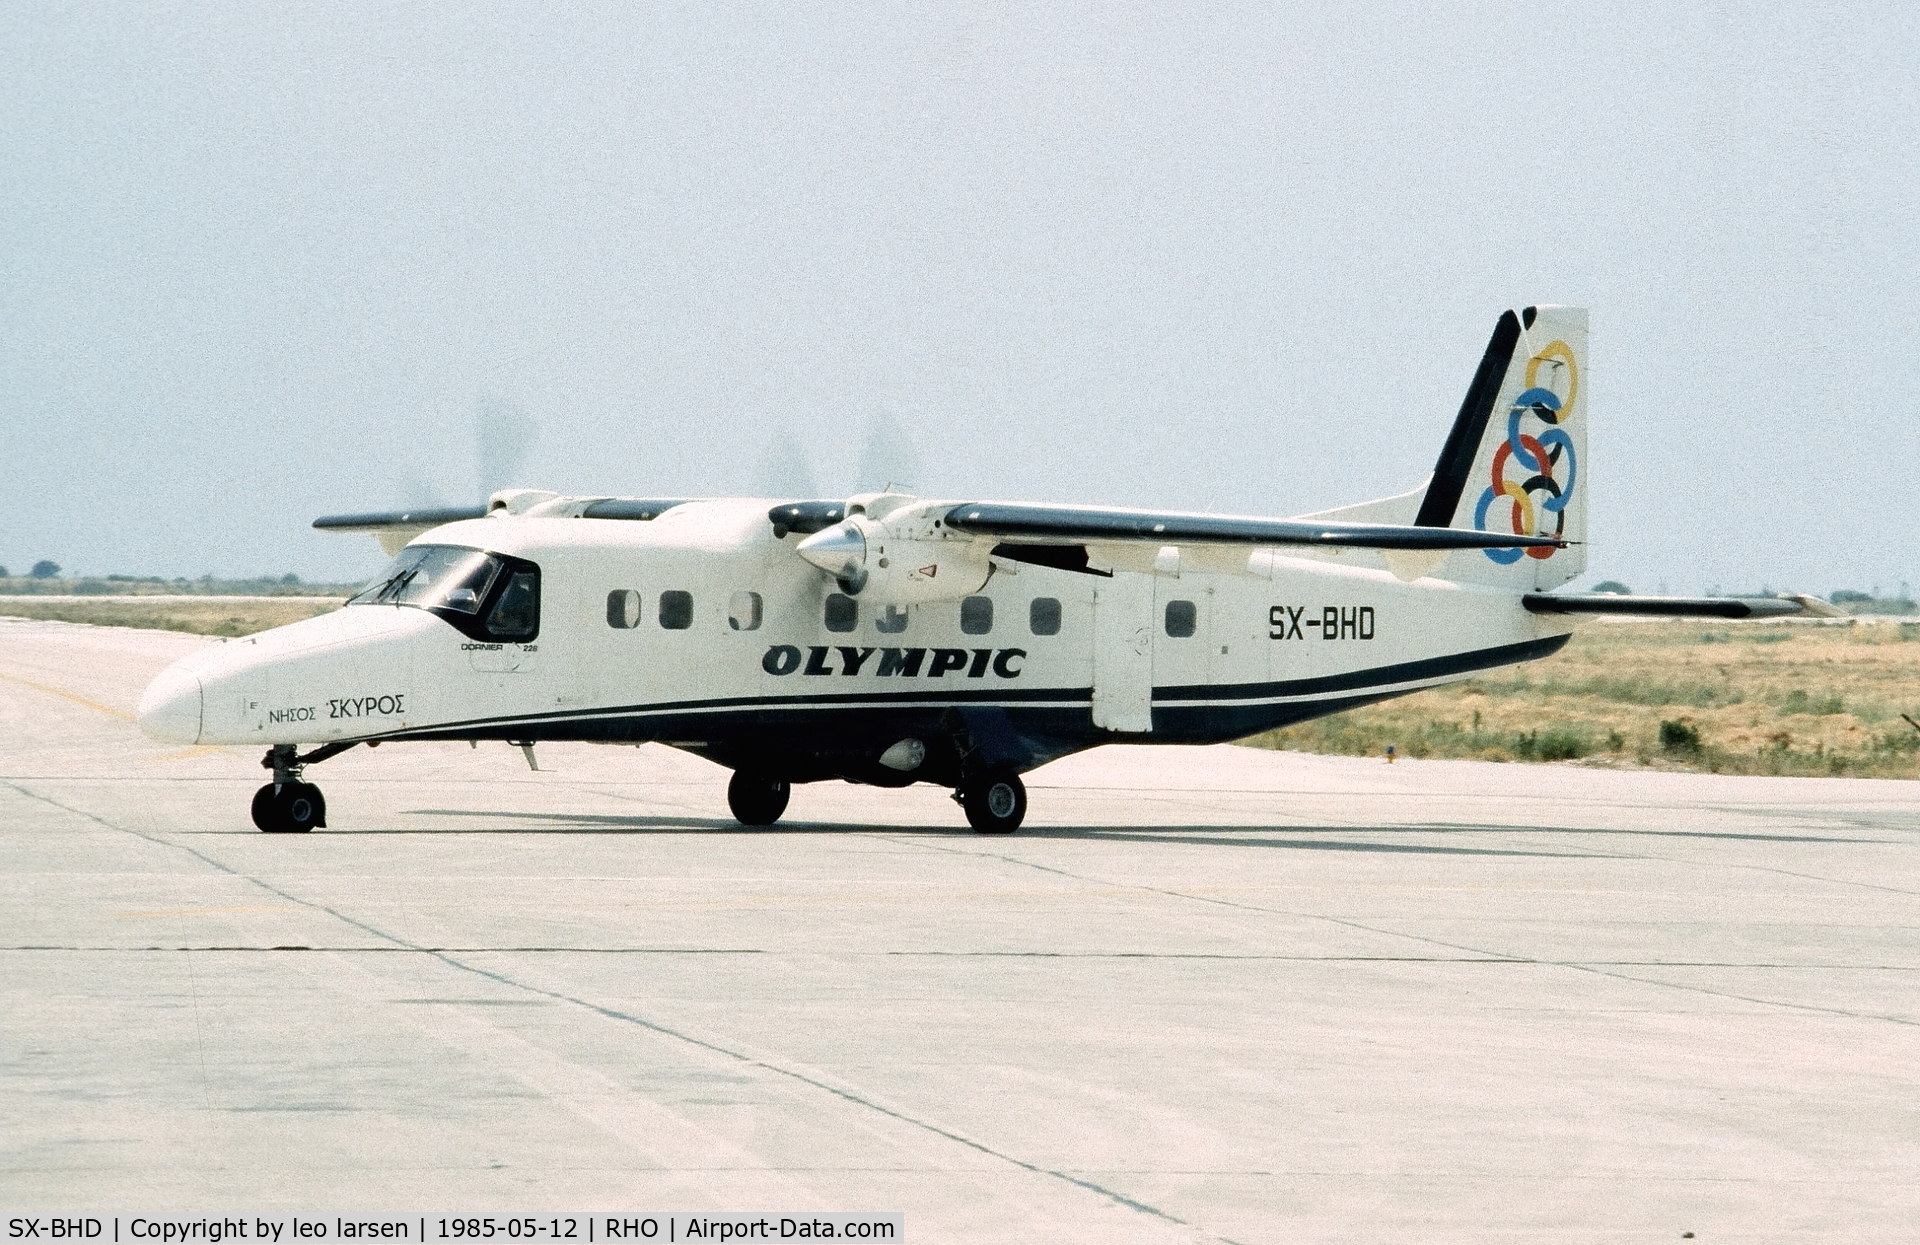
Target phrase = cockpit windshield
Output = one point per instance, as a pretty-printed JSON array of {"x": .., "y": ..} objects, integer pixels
[
  {"x": 429, "y": 576},
  {"x": 488, "y": 596}
]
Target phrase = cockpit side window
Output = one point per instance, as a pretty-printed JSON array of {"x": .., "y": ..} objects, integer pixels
[
  {"x": 488, "y": 596},
  {"x": 516, "y": 615}
]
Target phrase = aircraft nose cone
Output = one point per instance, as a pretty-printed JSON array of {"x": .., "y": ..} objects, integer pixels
[{"x": 170, "y": 710}]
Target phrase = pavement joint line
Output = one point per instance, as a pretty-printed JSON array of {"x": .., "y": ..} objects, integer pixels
[
  {"x": 963, "y": 955},
  {"x": 1758, "y": 809},
  {"x": 199, "y": 1036},
  {"x": 1810, "y": 877},
  {"x": 1658, "y": 834},
  {"x": 1477, "y": 951},
  {"x": 1600, "y": 971},
  {"x": 1188, "y": 834},
  {"x": 846, "y": 1095},
  {"x": 411, "y": 950}
]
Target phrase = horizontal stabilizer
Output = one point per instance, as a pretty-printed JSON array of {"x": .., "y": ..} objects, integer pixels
[
  {"x": 1077, "y": 525},
  {"x": 1665, "y": 607}
]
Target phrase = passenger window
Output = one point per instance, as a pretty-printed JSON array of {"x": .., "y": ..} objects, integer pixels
[
  {"x": 1044, "y": 617},
  {"x": 1181, "y": 617},
  {"x": 516, "y": 615},
  {"x": 976, "y": 615},
  {"x": 743, "y": 611},
  {"x": 891, "y": 620},
  {"x": 676, "y": 610},
  {"x": 623, "y": 609},
  {"x": 842, "y": 612}
]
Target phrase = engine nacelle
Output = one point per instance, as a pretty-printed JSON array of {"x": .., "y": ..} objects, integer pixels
[{"x": 898, "y": 562}]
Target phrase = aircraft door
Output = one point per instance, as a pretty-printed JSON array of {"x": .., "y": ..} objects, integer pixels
[
  {"x": 510, "y": 643},
  {"x": 1123, "y": 653},
  {"x": 1183, "y": 628}
]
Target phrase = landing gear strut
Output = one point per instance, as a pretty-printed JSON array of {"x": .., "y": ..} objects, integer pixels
[
  {"x": 287, "y": 805},
  {"x": 996, "y": 801},
  {"x": 756, "y": 799}
]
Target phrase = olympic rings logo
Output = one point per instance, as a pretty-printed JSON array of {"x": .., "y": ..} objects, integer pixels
[{"x": 1544, "y": 458}]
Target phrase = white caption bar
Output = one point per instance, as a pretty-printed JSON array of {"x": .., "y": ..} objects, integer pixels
[{"x": 644, "y": 1227}]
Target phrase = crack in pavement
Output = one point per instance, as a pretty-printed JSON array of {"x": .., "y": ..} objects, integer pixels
[
  {"x": 1595, "y": 967},
  {"x": 846, "y": 1095}
]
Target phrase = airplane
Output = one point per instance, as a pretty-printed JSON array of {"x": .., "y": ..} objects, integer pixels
[{"x": 889, "y": 639}]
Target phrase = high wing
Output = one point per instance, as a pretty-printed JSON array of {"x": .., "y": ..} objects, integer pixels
[
  {"x": 394, "y": 528},
  {"x": 380, "y": 520},
  {"x": 905, "y": 550},
  {"x": 1073, "y": 525}
]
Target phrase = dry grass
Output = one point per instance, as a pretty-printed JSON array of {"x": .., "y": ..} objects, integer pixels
[
  {"x": 1757, "y": 698},
  {"x": 153, "y": 585},
  {"x": 228, "y": 616}
]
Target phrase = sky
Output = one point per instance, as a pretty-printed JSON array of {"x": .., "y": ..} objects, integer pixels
[{"x": 264, "y": 262}]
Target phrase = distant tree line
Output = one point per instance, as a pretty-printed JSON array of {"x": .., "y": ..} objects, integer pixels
[{"x": 45, "y": 578}]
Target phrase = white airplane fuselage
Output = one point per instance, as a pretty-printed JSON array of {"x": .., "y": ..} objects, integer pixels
[
  {"x": 764, "y": 662},
  {"x": 890, "y": 639}
]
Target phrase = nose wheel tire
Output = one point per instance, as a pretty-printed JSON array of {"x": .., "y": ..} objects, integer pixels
[
  {"x": 289, "y": 808},
  {"x": 996, "y": 802},
  {"x": 757, "y": 800}
]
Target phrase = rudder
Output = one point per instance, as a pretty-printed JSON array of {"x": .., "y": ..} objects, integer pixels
[{"x": 1515, "y": 459}]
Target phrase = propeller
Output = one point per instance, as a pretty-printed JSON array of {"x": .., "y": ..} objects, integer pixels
[
  {"x": 503, "y": 436},
  {"x": 888, "y": 459}
]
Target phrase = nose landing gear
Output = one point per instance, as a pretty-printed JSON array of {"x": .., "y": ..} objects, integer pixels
[
  {"x": 289, "y": 808},
  {"x": 287, "y": 805},
  {"x": 757, "y": 800}
]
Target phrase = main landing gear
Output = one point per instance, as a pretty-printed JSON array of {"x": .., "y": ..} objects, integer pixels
[
  {"x": 287, "y": 805},
  {"x": 996, "y": 801}
]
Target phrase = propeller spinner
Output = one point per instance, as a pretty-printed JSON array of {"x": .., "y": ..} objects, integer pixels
[
  {"x": 893, "y": 548},
  {"x": 840, "y": 551}
]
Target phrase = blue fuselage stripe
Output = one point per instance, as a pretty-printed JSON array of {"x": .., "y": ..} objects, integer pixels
[{"x": 1375, "y": 680}]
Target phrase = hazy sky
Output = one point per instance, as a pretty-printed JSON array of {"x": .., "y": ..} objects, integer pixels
[{"x": 269, "y": 261}]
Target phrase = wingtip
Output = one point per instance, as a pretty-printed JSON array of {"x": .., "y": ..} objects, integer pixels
[{"x": 1812, "y": 605}]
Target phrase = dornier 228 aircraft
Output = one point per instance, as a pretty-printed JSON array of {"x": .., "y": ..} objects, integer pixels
[{"x": 888, "y": 639}]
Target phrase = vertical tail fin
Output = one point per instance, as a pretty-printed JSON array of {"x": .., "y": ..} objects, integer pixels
[{"x": 1516, "y": 458}]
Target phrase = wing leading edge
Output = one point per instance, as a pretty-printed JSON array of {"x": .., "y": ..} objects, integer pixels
[
  {"x": 1076, "y": 525},
  {"x": 384, "y": 520}
]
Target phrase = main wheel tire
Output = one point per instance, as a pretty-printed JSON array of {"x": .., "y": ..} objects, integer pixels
[
  {"x": 290, "y": 808},
  {"x": 263, "y": 815},
  {"x": 996, "y": 802},
  {"x": 302, "y": 807},
  {"x": 757, "y": 800}
]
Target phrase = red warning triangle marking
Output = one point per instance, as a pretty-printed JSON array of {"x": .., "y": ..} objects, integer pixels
[{"x": 930, "y": 571}]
